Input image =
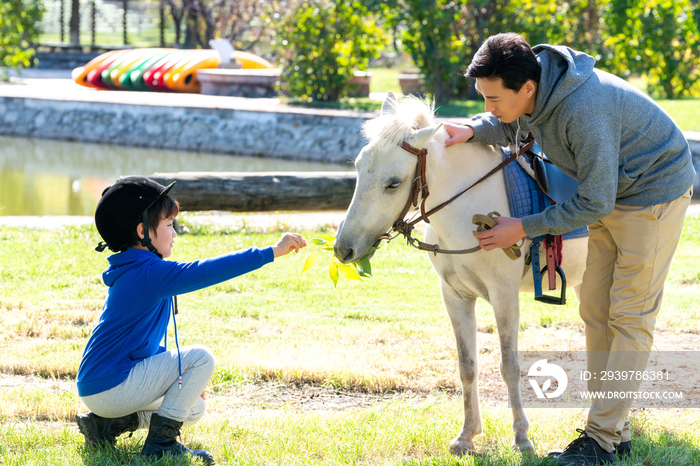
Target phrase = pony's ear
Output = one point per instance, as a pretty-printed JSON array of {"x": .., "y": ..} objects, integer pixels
[
  {"x": 390, "y": 104},
  {"x": 421, "y": 137}
]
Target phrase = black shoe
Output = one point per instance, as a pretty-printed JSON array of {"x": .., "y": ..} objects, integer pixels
[
  {"x": 104, "y": 431},
  {"x": 623, "y": 450},
  {"x": 161, "y": 440},
  {"x": 584, "y": 451}
]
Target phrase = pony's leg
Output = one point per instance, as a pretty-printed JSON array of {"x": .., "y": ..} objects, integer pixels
[
  {"x": 461, "y": 311},
  {"x": 507, "y": 311}
]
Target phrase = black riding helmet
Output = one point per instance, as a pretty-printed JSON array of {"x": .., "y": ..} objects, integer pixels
[{"x": 122, "y": 207}]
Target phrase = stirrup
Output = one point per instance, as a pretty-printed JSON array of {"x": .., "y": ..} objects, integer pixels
[
  {"x": 558, "y": 300},
  {"x": 537, "y": 275}
]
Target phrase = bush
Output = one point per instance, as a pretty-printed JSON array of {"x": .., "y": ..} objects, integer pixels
[
  {"x": 323, "y": 43},
  {"x": 18, "y": 28},
  {"x": 442, "y": 37},
  {"x": 661, "y": 40}
]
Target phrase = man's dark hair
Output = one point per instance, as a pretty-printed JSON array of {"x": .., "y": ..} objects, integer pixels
[{"x": 507, "y": 56}]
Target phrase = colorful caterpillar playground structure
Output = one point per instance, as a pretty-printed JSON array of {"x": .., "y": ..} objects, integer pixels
[{"x": 156, "y": 69}]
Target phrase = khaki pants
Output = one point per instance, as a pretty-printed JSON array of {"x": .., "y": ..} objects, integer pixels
[{"x": 629, "y": 254}]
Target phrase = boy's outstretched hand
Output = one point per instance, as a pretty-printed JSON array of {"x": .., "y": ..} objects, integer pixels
[{"x": 288, "y": 243}]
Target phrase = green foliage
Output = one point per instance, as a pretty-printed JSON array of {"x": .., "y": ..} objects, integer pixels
[
  {"x": 660, "y": 39},
  {"x": 18, "y": 27},
  {"x": 432, "y": 39},
  {"x": 443, "y": 35},
  {"x": 325, "y": 42},
  {"x": 356, "y": 271},
  {"x": 575, "y": 23}
]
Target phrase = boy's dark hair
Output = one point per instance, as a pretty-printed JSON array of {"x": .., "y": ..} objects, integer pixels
[
  {"x": 164, "y": 207},
  {"x": 507, "y": 56}
]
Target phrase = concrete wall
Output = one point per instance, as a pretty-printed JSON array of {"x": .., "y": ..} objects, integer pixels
[{"x": 301, "y": 136}]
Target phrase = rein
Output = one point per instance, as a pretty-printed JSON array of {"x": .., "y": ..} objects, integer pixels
[{"x": 420, "y": 187}]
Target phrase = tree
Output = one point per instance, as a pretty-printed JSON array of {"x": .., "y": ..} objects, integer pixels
[
  {"x": 74, "y": 24},
  {"x": 442, "y": 37},
  {"x": 18, "y": 27},
  {"x": 325, "y": 42},
  {"x": 196, "y": 17},
  {"x": 240, "y": 21},
  {"x": 660, "y": 39},
  {"x": 243, "y": 22}
]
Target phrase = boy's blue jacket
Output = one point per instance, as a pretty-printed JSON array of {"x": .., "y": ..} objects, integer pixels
[{"x": 135, "y": 316}]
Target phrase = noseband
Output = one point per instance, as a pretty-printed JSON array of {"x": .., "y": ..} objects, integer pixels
[{"x": 419, "y": 187}]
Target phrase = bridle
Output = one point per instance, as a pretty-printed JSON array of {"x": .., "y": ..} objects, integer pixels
[{"x": 420, "y": 187}]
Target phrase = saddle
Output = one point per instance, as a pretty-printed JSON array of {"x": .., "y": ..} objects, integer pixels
[{"x": 530, "y": 194}]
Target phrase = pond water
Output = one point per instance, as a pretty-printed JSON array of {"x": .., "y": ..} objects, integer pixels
[{"x": 44, "y": 177}]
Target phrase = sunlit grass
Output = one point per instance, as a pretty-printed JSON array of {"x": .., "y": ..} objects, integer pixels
[
  {"x": 385, "y": 335},
  {"x": 407, "y": 430}
]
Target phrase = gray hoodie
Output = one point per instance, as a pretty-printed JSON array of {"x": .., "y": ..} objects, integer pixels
[{"x": 619, "y": 145}]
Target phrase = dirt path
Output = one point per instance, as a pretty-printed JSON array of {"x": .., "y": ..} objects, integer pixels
[{"x": 252, "y": 399}]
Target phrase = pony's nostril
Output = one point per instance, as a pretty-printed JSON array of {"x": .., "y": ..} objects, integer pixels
[{"x": 350, "y": 253}]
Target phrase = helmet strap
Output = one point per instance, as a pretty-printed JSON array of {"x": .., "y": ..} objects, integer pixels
[{"x": 146, "y": 241}]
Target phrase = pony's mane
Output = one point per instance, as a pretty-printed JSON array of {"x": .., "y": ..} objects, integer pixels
[{"x": 389, "y": 129}]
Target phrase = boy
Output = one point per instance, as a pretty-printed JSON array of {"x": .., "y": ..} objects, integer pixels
[
  {"x": 126, "y": 378},
  {"x": 634, "y": 173}
]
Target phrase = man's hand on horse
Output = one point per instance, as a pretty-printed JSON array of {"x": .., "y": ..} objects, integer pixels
[
  {"x": 458, "y": 133},
  {"x": 507, "y": 232}
]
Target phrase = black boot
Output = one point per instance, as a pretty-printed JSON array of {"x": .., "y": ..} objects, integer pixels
[
  {"x": 161, "y": 440},
  {"x": 102, "y": 431}
]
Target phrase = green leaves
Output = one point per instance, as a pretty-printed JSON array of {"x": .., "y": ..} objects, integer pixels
[
  {"x": 19, "y": 28},
  {"x": 325, "y": 42},
  {"x": 356, "y": 271}
]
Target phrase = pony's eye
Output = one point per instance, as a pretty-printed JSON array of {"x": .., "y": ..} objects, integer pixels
[{"x": 394, "y": 185}]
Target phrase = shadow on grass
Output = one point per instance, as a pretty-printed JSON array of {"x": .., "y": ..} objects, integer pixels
[
  {"x": 655, "y": 448},
  {"x": 130, "y": 454}
]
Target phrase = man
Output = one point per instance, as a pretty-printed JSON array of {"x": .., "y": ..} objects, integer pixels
[{"x": 634, "y": 172}]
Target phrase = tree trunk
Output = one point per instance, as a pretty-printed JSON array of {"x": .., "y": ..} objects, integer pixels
[
  {"x": 260, "y": 192},
  {"x": 75, "y": 22}
]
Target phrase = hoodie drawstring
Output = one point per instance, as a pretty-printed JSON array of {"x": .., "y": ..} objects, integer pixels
[{"x": 177, "y": 345}]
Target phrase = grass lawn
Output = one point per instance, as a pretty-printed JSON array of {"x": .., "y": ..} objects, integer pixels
[{"x": 278, "y": 336}]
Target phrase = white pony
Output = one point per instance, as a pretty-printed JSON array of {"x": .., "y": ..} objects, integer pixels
[{"x": 385, "y": 173}]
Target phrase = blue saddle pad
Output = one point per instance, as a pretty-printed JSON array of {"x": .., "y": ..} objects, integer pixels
[{"x": 526, "y": 198}]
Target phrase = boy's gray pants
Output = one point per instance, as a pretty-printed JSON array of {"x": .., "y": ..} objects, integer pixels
[{"x": 152, "y": 387}]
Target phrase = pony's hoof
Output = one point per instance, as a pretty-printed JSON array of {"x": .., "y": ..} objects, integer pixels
[
  {"x": 461, "y": 447},
  {"x": 526, "y": 447}
]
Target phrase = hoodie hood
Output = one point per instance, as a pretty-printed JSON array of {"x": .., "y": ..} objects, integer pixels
[
  {"x": 124, "y": 261},
  {"x": 563, "y": 71}
]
